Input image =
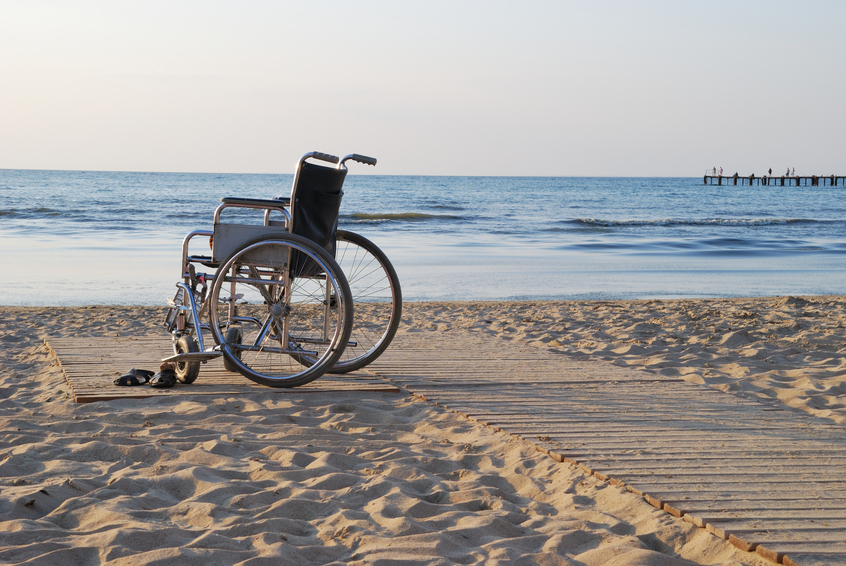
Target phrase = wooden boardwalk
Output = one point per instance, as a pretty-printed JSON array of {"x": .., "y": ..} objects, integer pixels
[
  {"x": 90, "y": 366},
  {"x": 765, "y": 477}
]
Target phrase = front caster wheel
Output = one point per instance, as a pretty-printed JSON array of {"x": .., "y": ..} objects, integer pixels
[
  {"x": 232, "y": 336},
  {"x": 187, "y": 372}
]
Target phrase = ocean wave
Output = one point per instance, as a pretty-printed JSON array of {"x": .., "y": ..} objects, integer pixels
[
  {"x": 31, "y": 212},
  {"x": 448, "y": 206},
  {"x": 709, "y": 247},
  {"x": 398, "y": 217},
  {"x": 696, "y": 222}
]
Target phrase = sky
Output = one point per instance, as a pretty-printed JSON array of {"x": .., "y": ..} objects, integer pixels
[{"x": 552, "y": 88}]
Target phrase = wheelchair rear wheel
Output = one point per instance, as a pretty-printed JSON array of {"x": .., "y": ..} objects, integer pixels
[
  {"x": 376, "y": 295},
  {"x": 292, "y": 324}
]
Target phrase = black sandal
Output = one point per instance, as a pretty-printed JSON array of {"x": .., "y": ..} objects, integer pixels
[
  {"x": 165, "y": 378},
  {"x": 134, "y": 377}
]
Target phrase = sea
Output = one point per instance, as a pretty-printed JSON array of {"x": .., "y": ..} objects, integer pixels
[{"x": 70, "y": 238}]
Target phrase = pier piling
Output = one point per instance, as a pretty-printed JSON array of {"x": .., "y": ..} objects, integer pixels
[{"x": 786, "y": 180}]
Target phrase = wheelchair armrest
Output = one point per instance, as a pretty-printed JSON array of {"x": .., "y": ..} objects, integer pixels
[
  {"x": 258, "y": 202},
  {"x": 267, "y": 205}
]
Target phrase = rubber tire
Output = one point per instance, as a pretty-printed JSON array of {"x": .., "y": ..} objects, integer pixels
[
  {"x": 187, "y": 372},
  {"x": 232, "y": 336},
  {"x": 313, "y": 369},
  {"x": 352, "y": 359}
]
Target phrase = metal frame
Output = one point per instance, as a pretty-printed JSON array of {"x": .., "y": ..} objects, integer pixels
[{"x": 272, "y": 319}]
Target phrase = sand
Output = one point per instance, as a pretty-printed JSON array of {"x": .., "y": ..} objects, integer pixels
[{"x": 373, "y": 478}]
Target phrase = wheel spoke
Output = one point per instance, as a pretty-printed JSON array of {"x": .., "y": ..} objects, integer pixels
[
  {"x": 295, "y": 338},
  {"x": 376, "y": 296}
]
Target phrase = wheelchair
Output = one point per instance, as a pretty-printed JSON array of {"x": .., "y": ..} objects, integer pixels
[{"x": 287, "y": 296}]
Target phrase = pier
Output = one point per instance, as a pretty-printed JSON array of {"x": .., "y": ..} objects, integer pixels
[{"x": 783, "y": 180}]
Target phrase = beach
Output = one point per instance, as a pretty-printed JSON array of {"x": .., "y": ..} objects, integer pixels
[
  {"x": 365, "y": 477},
  {"x": 622, "y": 339}
]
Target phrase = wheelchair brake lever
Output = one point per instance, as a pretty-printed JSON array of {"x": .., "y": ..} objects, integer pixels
[{"x": 192, "y": 277}]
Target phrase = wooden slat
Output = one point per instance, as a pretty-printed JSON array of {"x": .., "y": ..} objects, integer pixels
[
  {"x": 91, "y": 364},
  {"x": 737, "y": 527}
]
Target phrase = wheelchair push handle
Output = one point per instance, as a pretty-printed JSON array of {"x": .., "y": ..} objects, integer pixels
[
  {"x": 363, "y": 159},
  {"x": 322, "y": 157},
  {"x": 360, "y": 158},
  {"x": 334, "y": 160}
]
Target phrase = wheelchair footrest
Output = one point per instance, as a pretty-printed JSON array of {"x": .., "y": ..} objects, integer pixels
[{"x": 193, "y": 357}]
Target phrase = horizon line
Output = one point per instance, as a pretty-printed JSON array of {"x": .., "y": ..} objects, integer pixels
[{"x": 358, "y": 174}]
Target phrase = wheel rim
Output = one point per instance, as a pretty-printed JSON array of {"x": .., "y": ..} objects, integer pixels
[
  {"x": 376, "y": 295},
  {"x": 281, "y": 318}
]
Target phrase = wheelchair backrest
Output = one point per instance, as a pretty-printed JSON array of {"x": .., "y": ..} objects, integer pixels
[{"x": 315, "y": 202}]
